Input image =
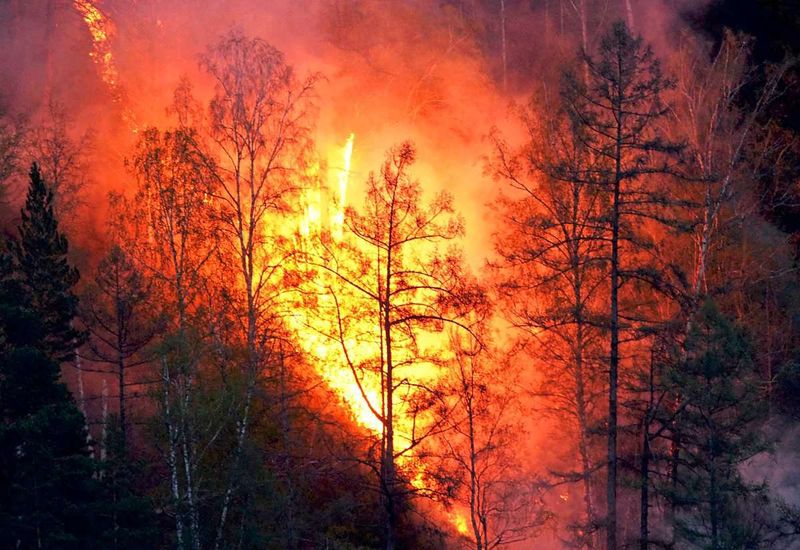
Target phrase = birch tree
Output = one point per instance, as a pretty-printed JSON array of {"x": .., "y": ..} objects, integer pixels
[
  {"x": 173, "y": 239},
  {"x": 255, "y": 141}
]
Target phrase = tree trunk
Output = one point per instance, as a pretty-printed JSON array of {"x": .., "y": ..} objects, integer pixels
[
  {"x": 644, "y": 472},
  {"x": 388, "y": 461},
  {"x": 584, "y": 38},
  {"x": 104, "y": 417},
  {"x": 613, "y": 371},
  {"x": 389, "y": 467},
  {"x": 172, "y": 456},
  {"x": 713, "y": 498},
  {"x": 123, "y": 425},
  {"x": 503, "y": 43},
  {"x": 629, "y": 14},
  {"x": 644, "y": 467},
  {"x": 583, "y": 444}
]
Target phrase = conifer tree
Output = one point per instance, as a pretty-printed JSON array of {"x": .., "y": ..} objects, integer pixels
[
  {"x": 45, "y": 276},
  {"x": 48, "y": 495},
  {"x": 719, "y": 433},
  {"x": 615, "y": 113}
]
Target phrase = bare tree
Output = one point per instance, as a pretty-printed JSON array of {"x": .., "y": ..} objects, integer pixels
[
  {"x": 12, "y": 133},
  {"x": 258, "y": 136},
  {"x": 63, "y": 158},
  {"x": 392, "y": 289},
  {"x": 720, "y": 137},
  {"x": 616, "y": 115},
  {"x": 551, "y": 276},
  {"x": 504, "y": 501}
]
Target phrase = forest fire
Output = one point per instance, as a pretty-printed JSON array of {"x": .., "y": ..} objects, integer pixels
[
  {"x": 323, "y": 216},
  {"x": 409, "y": 274},
  {"x": 102, "y": 30}
]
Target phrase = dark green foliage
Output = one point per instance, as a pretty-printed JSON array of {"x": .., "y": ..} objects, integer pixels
[
  {"x": 129, "y": 521},
  {"x": 46, "y": 483},
  {"x": 788, "y": 389},
  {"x": 51, "y": 495},
  {"x": 43, "y": 272},
  {"x": 718, "y": 433}
]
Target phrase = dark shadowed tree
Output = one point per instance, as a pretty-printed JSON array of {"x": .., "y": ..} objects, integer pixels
[
  {"x": 615, "y": 114},
  {"x": 63, "y": 160},
  {"x": 551, "y": 281},
  {"x": 118, "y": 313},
  {"x": 46, "y": 277},
  {"x": 502, "y": 498},
  {"x": 718, "y": 434},
  {"x": 50, "y": 498}
]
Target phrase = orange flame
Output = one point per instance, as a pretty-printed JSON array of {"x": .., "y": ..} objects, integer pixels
[{"x": 102, "y": 30}]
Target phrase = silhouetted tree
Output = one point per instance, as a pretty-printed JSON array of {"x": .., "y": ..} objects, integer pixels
[
  {"x": 718, "y": 433},
  {"x": 46, "y": 277},
  {"x": 48, "y": 495},
  {"x": 615, "y": 114},
  {"x": 117, "y": 312}
]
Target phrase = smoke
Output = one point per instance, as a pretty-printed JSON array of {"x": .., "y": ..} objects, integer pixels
[{"x": 425, "y": 70}]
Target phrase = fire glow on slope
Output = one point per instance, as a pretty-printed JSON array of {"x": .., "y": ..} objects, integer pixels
[
  {"x": 102, "y": 30},
  {"x": 341, "y": 329},
  {"x": 339, "y": 355}
]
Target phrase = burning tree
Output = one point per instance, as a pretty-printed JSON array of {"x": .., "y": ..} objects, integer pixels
[{"x": 392, "y": 290}]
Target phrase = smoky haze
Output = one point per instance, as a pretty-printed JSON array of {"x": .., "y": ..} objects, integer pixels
[
  {"x": 429, "y": 71},
  {"x": 442, "y": 73}
]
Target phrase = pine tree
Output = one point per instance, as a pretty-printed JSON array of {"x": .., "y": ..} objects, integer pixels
[
  {"x": 719, "y": 433},
  {"x": 48, "y": 496},
  {"x": 615, "y": 111},
  {"x": 45, "y": 275}
]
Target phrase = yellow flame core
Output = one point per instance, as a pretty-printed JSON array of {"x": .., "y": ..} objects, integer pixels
[
  {"x": 336, "y": 356},
  {"x": 102, "y": 30},
  {"x": 460, "y": 523},
  {"x": 337, "y": 224},
  {"x": 324, "y": 213}
]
